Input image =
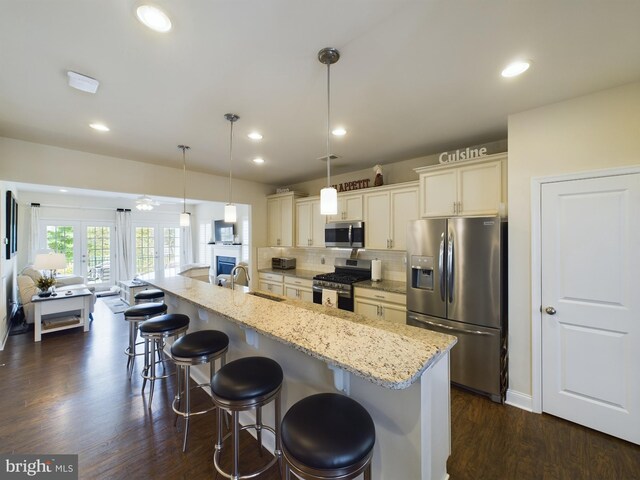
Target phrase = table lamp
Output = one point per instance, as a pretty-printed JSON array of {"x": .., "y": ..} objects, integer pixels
[{"x": 51, "y": 262}]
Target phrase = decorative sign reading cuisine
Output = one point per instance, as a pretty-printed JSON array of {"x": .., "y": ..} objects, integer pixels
[{"x": 462, "y": 155}]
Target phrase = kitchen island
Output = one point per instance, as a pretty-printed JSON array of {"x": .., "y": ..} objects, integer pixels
[{"x": 400, "y": 374}]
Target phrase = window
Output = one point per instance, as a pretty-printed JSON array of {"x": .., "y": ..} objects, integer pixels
[
  {"x": 145, "y": 251},
  {"x": 204, "y": 249},
  {"x": 171, "y": 251},
  {"x": 98, "y": 254},
  {"x": 60, "y": 240}
]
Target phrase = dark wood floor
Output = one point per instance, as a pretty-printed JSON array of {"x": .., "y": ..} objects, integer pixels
[{"x": 69, "y": 394}]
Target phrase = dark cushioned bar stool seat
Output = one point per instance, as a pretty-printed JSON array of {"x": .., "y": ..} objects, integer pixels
[
  {"x": 245, "y": 384},
  {"x": 327, "y": 436},
  {"x": 136, "y": 315},
  {"x": 154, "y": 332},
  {"x": 149, "y": 295},
  {"x": 204, "y": 346}
]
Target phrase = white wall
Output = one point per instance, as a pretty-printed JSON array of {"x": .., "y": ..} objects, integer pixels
[
  {"x": 8, "y": 287},
  {"x": 592, "y": 132},
  {"x": 34, "y": 163}
]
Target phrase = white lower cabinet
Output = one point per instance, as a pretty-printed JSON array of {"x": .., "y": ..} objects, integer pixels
[
  {"x": 380, "y": 305},
  {"x": 271, "y": 282},
  {"x": 298, "y": 288}
]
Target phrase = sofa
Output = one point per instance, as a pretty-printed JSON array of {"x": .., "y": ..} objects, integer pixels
[{"x": 27, "y": 288}]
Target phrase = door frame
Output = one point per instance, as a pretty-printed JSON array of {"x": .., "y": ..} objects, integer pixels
[{"x": 536, "y": 267}]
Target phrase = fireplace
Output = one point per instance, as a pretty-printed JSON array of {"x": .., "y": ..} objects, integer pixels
[{"x": 224, "y": 265}]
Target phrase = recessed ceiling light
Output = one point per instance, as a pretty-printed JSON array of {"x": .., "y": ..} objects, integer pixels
[
  {"x": 339, "y": 132},
  {"x": 258, "y": 161},
  {"x": 63, "y": 190},
  {"x": 154, "y": 18},
  {"x": 255, "y": 136},
  {"x": 516, "y": 68},
  {"x": 101, "y": 127}
]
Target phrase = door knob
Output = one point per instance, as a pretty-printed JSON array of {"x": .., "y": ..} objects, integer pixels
[{"x": 550, "y": 310}]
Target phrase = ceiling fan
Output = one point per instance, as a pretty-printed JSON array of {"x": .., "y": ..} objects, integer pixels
[{"x": 146, "y": 203}]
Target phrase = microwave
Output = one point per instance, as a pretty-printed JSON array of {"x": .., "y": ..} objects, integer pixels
[{"x": 344, "y": 234}]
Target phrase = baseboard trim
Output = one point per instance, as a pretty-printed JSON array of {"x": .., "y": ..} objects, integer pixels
[{"x": 520, "y": 400}]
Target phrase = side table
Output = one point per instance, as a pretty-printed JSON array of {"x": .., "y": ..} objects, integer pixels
[{"x": 67, "y": 301}]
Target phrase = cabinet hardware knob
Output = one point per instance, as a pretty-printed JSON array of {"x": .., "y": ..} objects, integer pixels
[{"x": 550, "y": 310}]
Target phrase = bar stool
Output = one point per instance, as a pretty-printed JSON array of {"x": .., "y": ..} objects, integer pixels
[
  {"x": 136, "y": 315},
  {"x": 204, "y": 346},
  {"x": 152, "y": 295},
  {"x": 327, "y": 436},
  {"x": 156, "y": 331},
  {"x": 241, "y": 385}
]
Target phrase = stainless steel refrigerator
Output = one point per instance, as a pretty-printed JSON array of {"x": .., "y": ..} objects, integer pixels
[{"x": 456, "y": 284}]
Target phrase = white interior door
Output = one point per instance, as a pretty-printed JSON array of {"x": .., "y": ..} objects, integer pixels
[{"x": 591, "y": 303}]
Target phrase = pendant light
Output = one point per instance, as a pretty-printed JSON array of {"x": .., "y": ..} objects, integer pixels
[
  {"x": 230, "y": 214},
  {"x": 185, "y": 217},
  {"x": 328, "y": 195}
]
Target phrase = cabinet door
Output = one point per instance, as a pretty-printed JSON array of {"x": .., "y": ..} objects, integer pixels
[
  {"x": 352, "y": 207},
  {"x": 479, "y": 189},
  {"x": 273, "y": 221},
  {"x": 291, "y": 292},
  {"x": 404, "y": 208},
  {"x": 439, "y": 193},
  {"x": 287, "y": 220},
  {"x": 306, "y": 294},
  {"x": 377, "y": 220},
  {"x": 317, "y": 224},
  {"x": 276, "y": 288},
  {"x": 368, "y": 308},
  {"x": 303, "y": 224},
  {"x": 338, "y": 217},
  {"x": 394, "y": 313}
]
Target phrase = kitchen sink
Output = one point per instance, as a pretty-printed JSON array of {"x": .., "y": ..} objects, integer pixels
[{"x": 267, "y": 296}]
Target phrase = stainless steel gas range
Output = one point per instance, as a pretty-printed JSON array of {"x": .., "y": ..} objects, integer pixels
[{"x": 347, "y": 272}]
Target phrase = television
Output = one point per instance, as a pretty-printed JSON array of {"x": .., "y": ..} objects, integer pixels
[{"x": 223, "y": 232}]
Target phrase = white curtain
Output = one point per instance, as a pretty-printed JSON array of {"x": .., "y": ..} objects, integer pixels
[
  {"x": 186, "y": 245},
  {"x": 123, "y": 254},
  {"x": 34, "y": 237}
]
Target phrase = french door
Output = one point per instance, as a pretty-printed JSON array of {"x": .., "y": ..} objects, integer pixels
[
  {"x": 156, "y": 250},
  {"x": 87, "y": 247}
]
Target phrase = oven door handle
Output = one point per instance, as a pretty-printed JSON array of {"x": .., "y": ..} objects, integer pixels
[
  {"x": 350, "y": 235},
  {"x": 318, "y": 289}
]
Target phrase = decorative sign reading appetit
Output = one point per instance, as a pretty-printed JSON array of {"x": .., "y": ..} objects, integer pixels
[{"x": 353, "y": 185}]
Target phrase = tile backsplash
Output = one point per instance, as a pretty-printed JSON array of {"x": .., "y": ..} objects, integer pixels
[{"x": 393, "y": 263}]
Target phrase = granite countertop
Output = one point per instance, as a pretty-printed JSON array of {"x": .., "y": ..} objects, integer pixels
[
  {"x": 294, "y": 272},
  {"x": 392, "y": 286},
  {"x": 390, "y": 355}
]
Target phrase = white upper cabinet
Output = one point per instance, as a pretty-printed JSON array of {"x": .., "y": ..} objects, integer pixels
[
  {"x": 387, "y": 212},
  {"x": 309, "y": 223},
  {"x": 349, "y": 208},
  {"x": 473, "y": 188},
  {"x": 281, "y": 219}
]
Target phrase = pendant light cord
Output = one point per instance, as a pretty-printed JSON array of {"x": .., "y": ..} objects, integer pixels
[
  {"x": 328, "y": 123},
  {"x": 184, "y": 148},
  {"x": 230, "y": 158}
]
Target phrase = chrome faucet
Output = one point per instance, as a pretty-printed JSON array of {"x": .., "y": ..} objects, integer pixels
[{"x": 233, "y": 274}]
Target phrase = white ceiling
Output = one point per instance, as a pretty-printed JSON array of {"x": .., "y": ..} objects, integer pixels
[{"x": 415, "y": 77}]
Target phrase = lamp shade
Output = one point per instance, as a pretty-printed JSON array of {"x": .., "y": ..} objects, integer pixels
[
  {"x": 328, "y": 201},
  {"x": 230, "y": 213},
  {"x": 50, "y": 261},
  {"x": 185, "y": 219}
]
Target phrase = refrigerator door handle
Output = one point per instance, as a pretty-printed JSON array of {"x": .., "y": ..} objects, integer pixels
[
  {"x": 450, "y": 268},
  {"x": 441, "y": 267},
  {"x": 446, "y": 327}
]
